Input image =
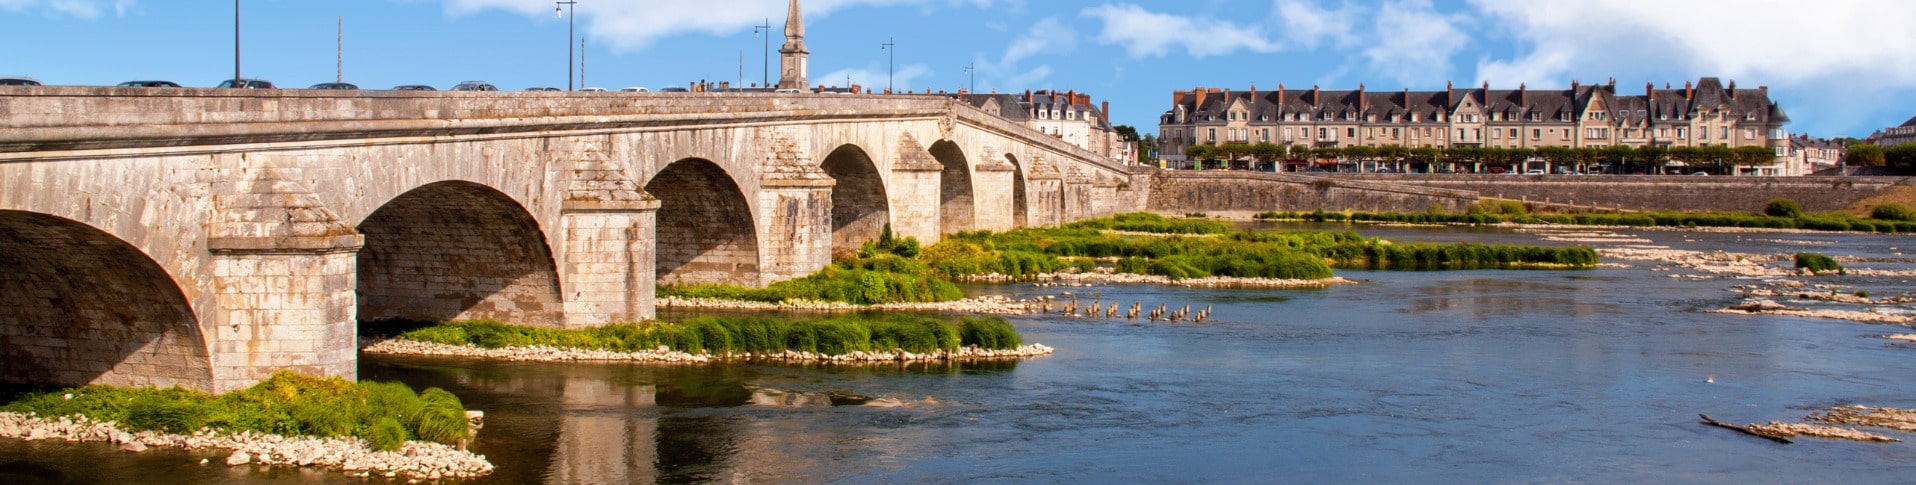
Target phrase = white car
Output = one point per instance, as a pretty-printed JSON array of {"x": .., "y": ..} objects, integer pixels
[
  {"x": 635, "y": 89},
  {"x": 787, "y": 91}
]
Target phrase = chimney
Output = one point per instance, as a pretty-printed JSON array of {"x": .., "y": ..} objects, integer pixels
[
  {"x": 1523, "y": 96},
  {"x": 1732, "y": 89},
  {"x": 1574, "y": 86},
  {"x": 1650, "y": 93},
  {"x": 1280, "y": 99},
  {"x": 1450, "y": 95},
  {"x": 1201, "y": 94},
  {"x": 1689, "y": 92},
  {"x": 1105, "y": 107},
  {"x": 1765, "y": 90},
  {"x": 1177, "y": 96},
  {"x": 1360, "y": 99},
  {"x": 1317, "y": 101}
]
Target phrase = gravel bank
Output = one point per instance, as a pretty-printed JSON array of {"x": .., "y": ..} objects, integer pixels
[
  {"x": 662, "y": 355},
  {"x": 1079, "y": 279},
  {"x": 414, "y": 460}
]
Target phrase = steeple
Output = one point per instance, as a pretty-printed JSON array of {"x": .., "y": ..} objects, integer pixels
[{"x": 792, "y": 56}]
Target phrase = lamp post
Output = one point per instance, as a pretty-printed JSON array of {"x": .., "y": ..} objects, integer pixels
[
  {"x": 236, "y": 44},
  {"x": 568, "y": 37},
  {"x": 972, "y": 70},
  {"x": 766, "y": 77},
  {"x": 891, "y": 49}
]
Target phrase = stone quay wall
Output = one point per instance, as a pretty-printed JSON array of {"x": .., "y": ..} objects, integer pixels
[
  {"x": 1197, "y": 191},
  {"x": 1655, "y": 192}
]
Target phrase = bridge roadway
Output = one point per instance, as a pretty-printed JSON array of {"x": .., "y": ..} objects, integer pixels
[{"x": 207, "y": 238}]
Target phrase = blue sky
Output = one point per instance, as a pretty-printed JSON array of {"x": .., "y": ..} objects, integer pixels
[{"x": 1839, "y": 67}]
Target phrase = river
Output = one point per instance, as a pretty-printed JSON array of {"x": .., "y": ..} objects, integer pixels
[{"x": 1465, "y": 376}]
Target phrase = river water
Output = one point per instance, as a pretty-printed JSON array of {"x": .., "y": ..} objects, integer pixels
[{"x": 1466, "y": 376}]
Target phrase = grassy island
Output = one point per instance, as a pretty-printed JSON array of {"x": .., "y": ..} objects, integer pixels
[
  {"x": 837, "y": 335},
  {"x": 386, "y": 415},
  {"x": 899, "y": 270}
]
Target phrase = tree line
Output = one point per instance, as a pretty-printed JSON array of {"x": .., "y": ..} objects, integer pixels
[{"x": 1902, "y": 157}]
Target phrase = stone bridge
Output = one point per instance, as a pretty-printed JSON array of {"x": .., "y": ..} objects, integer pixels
[{"x": 206, "y": 238}]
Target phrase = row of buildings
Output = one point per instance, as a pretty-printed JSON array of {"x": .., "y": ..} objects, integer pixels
[{"x": 1703, "y": 113}]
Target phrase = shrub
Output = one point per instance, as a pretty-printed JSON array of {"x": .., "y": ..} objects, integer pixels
[
  {"x": 988, "y": 332},
  {"x": 1782, "y": 208},
  {"x": 1817, "y": 262},
  {"x": 1892, "y": 212}
]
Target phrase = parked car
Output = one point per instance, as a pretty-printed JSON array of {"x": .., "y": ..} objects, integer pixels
[
  {"x": 593, "y": 90},
  {"x": 475, "y": 86},
  {"x": 787, "y": 91},
  {"x": 674, "y": 90},
  {"x": 1702, "y": 174},
  {"x": 414, "y": 87},
  {"x": 337, "y": 86},
  {"x": 149, "y": 84},
  {"x": 19, "y": 81},
  {"x": 635, "y": 89},
  {"x": 246, "y": 84},
  {"x": 1534, "y": 171},
  {"x": 542, "y": 89}
]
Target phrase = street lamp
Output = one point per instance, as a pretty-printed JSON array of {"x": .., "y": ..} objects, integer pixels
[
  {"x": 568, "y": 6},
  {"x": 891, "y": 48},
  {"x": 972, "y": 69},
  {"x": 766, "y": 80},
  {"x": 236, "y": 44}
]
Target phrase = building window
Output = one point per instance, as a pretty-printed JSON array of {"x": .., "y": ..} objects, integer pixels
[
  {"x": 1513, "y": 133},
  {"x": 1680, "y": 133},
  {"x": 1350, "y": 133},
  {"x": 1536, "y": 134},
  {"x": 1394, "y": 133},
  {"x": 1496, "y": 134},
  {"x": 1213, "y": 135},
  {"x": 1749, "y": 133},
  {"x": 1324, "y": 133},
  {"x": 1287, "y": 133}
]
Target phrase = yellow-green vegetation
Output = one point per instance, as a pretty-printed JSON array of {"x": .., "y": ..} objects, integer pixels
[
  {"x": 898, "y": 270},
  {"x": 1496, "y": 213},
  {"x": 884, "y": 271},
  {"x": 385, "y": 414},
  {"x": 1817, "y": 262},
  {"x": 837, "y": 335}
]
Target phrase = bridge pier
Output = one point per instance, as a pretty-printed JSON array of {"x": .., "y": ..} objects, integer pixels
[
  {"x": 609, "y": 230},
  {"x": 1045, "y": 194},
  {"x": 283, "y": 271},
  {"x": 993, "y": 184},
  {"x": 916, "y": 179},
  {"x": 794, "y": 226}
]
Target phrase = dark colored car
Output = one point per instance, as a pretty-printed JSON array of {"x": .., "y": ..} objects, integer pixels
[
  {"x": 19, "y": 81},
  {"x": 337, "y": 86},
  {"x": 415, "y": 87},
  {"x": 149, "y": 84},
  {"x": 674, "y": 90},
  {"x": 246, "y": 84},
  {"x": 475, "y": 86},
  {"x": 542, "y": 88}
]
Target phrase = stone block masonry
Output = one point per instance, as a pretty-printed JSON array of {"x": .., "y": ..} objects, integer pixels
[
  {"x": 1655, "y": 192},
  {"x": 1174, "y": 191}
]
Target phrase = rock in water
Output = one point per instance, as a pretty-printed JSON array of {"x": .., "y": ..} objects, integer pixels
[
  {"x": 239, "y": 458},
  {"x": 133, "y": 446}
]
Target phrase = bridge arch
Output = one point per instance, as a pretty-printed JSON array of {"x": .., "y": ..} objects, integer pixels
[
  {"x": 860, "y": 207},
  {"x": 457, "y": 250},
  {"x": 956, "y": 205},
  {"x": 706, "y": 232},
  {"x": 79, "y": 306}
]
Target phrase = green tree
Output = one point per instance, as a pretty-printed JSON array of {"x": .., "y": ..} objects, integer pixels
[
  {"x": 1126, "y": 132},
  {"x": 1557, "y": 155},
  {"x": 1618, "y": 154},
  {"x": 1145, "y": 147},
  {"x": 1902, "y": 157},
  {"x": 1267, "y": 152},
  {"x": 1199, "y": 153},
  {"x": 1752, "y": 155},
  {"x": 1864, "y": 155},
  {"x": 1300, "y": 152},
  {"x": 1718, "y": 155},
  {"x": 1360, "y": 153},
  {"x": 1652, "y": 156}
]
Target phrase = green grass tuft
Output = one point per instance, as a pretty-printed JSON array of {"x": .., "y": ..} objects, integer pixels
[{"x": 1817, "y": 262}]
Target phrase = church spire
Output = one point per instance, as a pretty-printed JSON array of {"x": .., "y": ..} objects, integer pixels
[{"x": 792, "y": 56}]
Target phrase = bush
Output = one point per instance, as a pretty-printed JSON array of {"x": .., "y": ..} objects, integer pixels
[
  {"x": 988, "y": 332},
  {"x": 725, "y": 335},
  {"x": 1892, "y": 212},
  {"x": 1782, "y": 208},
  {"x": 1817, "y": 262}
]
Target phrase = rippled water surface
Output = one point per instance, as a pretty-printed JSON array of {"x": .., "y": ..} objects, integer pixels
[{"x": 1472, "y": 376}]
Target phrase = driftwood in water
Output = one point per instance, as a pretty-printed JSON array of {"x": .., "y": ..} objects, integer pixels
[{"x": 1744, "y": 429}]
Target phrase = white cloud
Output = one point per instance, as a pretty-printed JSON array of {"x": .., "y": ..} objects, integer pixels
[
  {"x": 1048, "y": 36},
  {"x": 86, "y": 9},
  {"x": 635, "y": 24},
  {"x": 1852, "y": 42},
  {"x": 1150, "y": 34},
  {"x": 1413, "y": 43},
  {"x": 872, "y": 76},
  {"x": 1306, "y": 24}
]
